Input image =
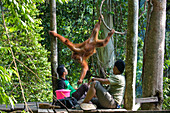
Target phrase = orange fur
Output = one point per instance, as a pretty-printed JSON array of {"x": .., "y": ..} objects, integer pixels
[{"x": 84, "y": 50}]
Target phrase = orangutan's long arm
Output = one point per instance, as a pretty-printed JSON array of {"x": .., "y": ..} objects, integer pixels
[
  {"x": 103, "y": 43},
  {"x": 67, "y": 42},
  {"x": 94, "y": 35},
  {"x": 84, "y": 70}
]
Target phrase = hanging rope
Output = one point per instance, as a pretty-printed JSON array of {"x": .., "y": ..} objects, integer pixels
[{"x": 117, "y": 32}]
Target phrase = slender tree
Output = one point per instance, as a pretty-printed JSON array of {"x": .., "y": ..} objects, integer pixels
[
  {"x": 131, "y": 54},
  {"x": 54, "y": 55},
  {"x": 106, "y": 54},
  {"x": 152, "y": 81}
]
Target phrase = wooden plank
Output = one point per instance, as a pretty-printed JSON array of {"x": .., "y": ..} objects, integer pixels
[
  {"x": 19, "y": 106},
  {"x": 32, "y": 106},
  {"x": 3, "y": 107},
  {"x": 51, "y": 111},
  {"x": 117, "y": 111},
  {"x": 147, "y": 100},
  {"x": 105, "y": 110},
  {"x": 99, "y": 111},
  {"x": 45, "y": 111}
]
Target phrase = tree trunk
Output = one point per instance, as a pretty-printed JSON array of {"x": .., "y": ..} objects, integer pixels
[
  {"x": 152, "y": 81},
  {"x": 131, "y": 54},
  {"x": 54, "y": 59},
  {"x": 106, "y": 54}
]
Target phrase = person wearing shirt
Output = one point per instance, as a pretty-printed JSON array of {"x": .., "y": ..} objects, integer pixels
[
  {"x": 113, "y": 96},
  {"x": 63, "y": 83}
]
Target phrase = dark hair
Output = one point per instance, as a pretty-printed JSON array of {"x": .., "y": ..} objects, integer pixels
[
  {"x": 120, "y": 65},
  {"x": 60, "y": 70}
]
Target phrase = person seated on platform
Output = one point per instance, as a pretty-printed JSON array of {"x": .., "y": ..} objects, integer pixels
[
  {"x": 63, "y": 83},
  {"x": 113, "y": 96}
]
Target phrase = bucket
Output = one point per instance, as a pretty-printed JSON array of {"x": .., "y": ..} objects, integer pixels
[{"x": 62, "y": 93}]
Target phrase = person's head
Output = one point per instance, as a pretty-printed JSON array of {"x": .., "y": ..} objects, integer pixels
[
  {"x": 119, "y": 67},
  {"x": 62, "y": 71}
]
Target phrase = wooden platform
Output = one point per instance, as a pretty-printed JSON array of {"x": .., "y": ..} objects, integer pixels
[{"x": 33, "y": 107}]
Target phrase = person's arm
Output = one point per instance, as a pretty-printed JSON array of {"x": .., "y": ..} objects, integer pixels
[
  {"x": 71, "y": 88},
  {"x": 75, "y": 88},
  {"x": 101, "y": 80}
]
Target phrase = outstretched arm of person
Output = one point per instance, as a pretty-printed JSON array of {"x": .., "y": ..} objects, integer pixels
[{"x": 101, "y": 80}]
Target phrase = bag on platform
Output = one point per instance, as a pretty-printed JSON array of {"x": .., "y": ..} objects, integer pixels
[{"x": 69, "y": 102}]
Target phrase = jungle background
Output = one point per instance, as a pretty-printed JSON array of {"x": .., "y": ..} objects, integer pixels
[{"x": 25, "y": 70}]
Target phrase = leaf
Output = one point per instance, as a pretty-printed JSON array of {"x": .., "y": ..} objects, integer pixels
[
  {"x": 16, "y": 3},
  {"x": 23, "y": 9},
  {"x": 65, "y": 1},
  {"x": 60, "y": 1},
  {"x": 31, "y": 19},
  {"x": 15, "y": 73},
  {"x": 11, "y": 102},
  {"x": 3, "y": 96},
  {"x": 12, "y": 29},
  {"x": 23, "y": 23}
]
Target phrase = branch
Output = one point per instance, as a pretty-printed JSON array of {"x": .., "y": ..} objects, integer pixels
[
  {"x": 117, "y": 32},
  {"x": 143, "y": 11},
  {"x": 27, "y": 68},
  {"x": 61, "y": 103}
]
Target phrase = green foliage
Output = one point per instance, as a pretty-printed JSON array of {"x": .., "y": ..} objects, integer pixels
[
  {"x": 142, "y": 29},
  {"x": 120, "y": 15},
  {"x": 166, "y": 93},
  {"x": 65, "y": 1},
  {"x": 24, "y": 32},
  {"x": 5, "y": 80},
  {"x": 166, "y": 80}
]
